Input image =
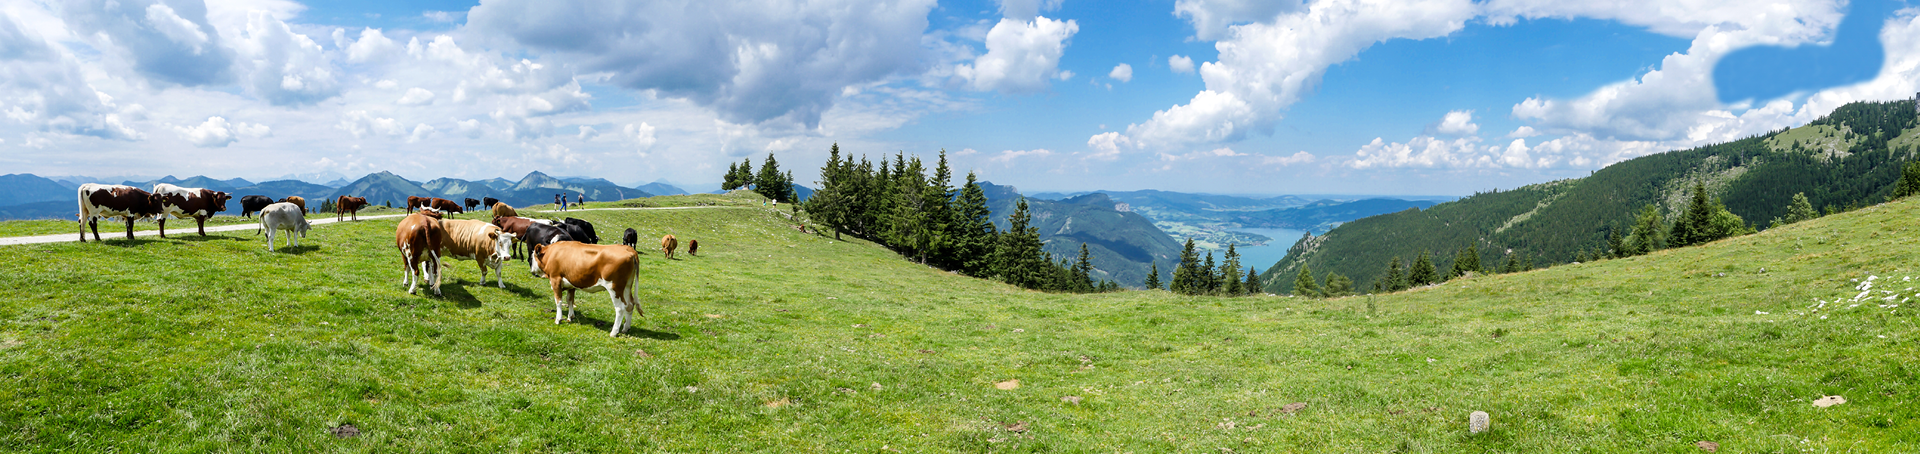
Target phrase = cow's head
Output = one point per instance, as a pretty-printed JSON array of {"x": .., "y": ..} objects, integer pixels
[
  {"x": 502, "y": 246},
  {"x": 220, "y": 200},
  {"x": 538, "y": 254}
]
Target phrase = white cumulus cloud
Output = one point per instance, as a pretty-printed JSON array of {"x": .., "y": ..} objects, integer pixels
[
  {"x": 642, "y": 135},
  {"x": 1123, "y": 73},
  {"x": 1458, "y": 123},
  {"x": 1021, "y": 56},
  {"x": 218, "y": 132},
  {"x": 1180, "y": 64},
  {"x": 416, "y": 96}
]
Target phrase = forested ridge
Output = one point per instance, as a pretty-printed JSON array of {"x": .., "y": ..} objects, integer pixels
[{"x": 1564, "y": 221}]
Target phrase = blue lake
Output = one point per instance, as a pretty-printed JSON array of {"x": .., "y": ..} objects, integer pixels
[{"x": 1261, "y": 257}]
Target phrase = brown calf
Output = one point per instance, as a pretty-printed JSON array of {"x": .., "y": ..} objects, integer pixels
[
  {"x": 693, "y": 247},
  {"x": 501, "y": 209},
  {"x": 418, "y": 238},
  {"x": 296, "y": 201},
  {"x": 348, "y": 204},
  {"x": 572, "y": 265},
  {"x": 668, "y": 244}
]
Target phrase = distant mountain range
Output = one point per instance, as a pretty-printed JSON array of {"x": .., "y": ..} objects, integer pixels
[
  {"x": 1123, "y": 244},
  {"x": 27, "y": 196}
]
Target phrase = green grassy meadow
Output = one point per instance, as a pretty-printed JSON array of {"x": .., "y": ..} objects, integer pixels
[{"x": 773, "y": 340}]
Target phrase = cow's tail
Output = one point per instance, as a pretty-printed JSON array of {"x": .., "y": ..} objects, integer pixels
[{"x": 633, "y": 285}]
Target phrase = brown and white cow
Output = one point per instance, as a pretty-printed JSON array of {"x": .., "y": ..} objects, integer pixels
[
  {"x": 572, "y": 265},
  {"x": 484, "y": 243},
  {"x": 669, "y": 243},
  {"x": 348, "y": 204},
  {"x": 445, "y": 206},
  {"x": 414, "y": 203},
  {"x": 418, "y": 238},
  {"x": 183, "y": 203},
  {"x": 112, "y": 200}
]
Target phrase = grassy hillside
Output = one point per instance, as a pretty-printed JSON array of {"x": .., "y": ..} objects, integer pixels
[
  {"x": 1849, "y": 158},
  {"x": 775, "y": 340}
]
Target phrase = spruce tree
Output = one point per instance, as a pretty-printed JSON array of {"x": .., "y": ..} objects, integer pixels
[
  {"x": 828, "y": 205},
  {"x": 1691, "y": 228},
  {"x": 1396, "y": 277},
  {"x": 941, "y": 230},
  {"x": 1909, "y": 183},
  {"x": 1153, "y": 276},
  {"x": 772, "y": 183},
  {"x": 973, "y": 244},
  {"x": 1466, "y": 261},
  {"x": 1423, "y": 272},
  {"x": 732, "y": 180},
  {"x": 1800, "y": 209},
  {"x": 1303, "y": 284},
  {"x": 1083, "y": 271},
  {"x": 1338, "y": 285},
  {"x": 1252, "y": 284},
  {"x": 1616, "y": 246},
  {"x": 1207, "y": 283},
  {"x": 1019, "y": 259},
  {"x": 1186, "y": 275},
  {"x": 1649, "y": 231},
  {"x": 1513, "y": 265},
  {"x": 1229, "y": 273}
]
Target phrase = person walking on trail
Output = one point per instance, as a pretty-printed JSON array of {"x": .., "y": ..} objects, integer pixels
[{"x": 557, "y": 204}]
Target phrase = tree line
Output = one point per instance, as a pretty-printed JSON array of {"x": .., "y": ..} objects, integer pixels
[{"x": 917, "y": 212}]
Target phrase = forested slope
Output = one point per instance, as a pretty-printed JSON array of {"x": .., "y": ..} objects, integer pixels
[{"x": 1848, "y": 159}]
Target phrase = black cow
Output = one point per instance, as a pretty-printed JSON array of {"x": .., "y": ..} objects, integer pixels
[
  {"x": 472, "y": 203},
  {"x": 586, "y": 234},
  {"x": 631, "y": 239},
  {"x": 252, "y": 204},
  {"x": 488, "y": 202},
  {"x": 540, "y": 235}
]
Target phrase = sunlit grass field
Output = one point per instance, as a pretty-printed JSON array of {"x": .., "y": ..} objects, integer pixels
[{"x": 773, "y": 340}]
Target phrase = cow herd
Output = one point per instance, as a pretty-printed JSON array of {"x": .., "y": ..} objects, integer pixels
[{"x": 566, "y": 252}]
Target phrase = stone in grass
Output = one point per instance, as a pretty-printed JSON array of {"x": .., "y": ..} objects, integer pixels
[
  {"x": 1071, "y": 399},
  {"x": 1707, "y": 446},
  {"x": 1829, "y": 401},
  {"x": 1293, "y": 407},
  {"x": 345, "y": 431},
  {"x": 1479, "y": 422},
  {"x": 1008, "y": 385}
]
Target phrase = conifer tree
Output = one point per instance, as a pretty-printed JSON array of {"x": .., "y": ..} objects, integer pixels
[
  {"x": 771, "y": 182},
  {"x": 732, "y": 180},
  {"x": 1207, "y": 283},
  {"x": 940, "y": 230},
  {"x": 1186, "y": 274},
  {"x": 1800, "y": 209},
  {"x": 1338, "y": 285},
  {"x": 1909, "y": 183},
  {"x": 1690, "y": 228},
  {"x": 1229, "y": 274},
  {"x": 1396, "y": 278},
  {"x": 829, "y": 204},
  {"x": 1303, "y": 284},
  {"x": 1649, "y": 231},
  {"x": 1422, "y": 272},
  {"x": 1616, "y": 247},
  {"x": 1153, "y": 276},
  {"x": 1466, "y": 261},
  {"x": 1019, "y": 259},
  {"x": 1083, "y": 271},
  {"x": 1513, "y": 265},
  {"x": 1252, "y": 284},
  {"x": 973, "y": 244}
]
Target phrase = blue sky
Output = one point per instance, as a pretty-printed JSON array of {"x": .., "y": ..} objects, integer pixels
[{"x": 1440, "y": 97}]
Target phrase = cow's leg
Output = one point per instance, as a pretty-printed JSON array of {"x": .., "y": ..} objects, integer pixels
[
  {"x": 269, "y": 240},
  {"x": 83, "y": 230},
  {"x": 572, "y": 308},
  {"x": 436, "y": 271},
  {"x": 621, "y": 317},
  {"x": 163, "y": 228},
  {"x": 130, "y": 229},
  {"x": 202, "y": 222},
  {"x": 559, "y": 307}
]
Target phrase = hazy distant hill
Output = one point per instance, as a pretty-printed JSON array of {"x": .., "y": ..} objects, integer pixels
[
  {"x": 21, "y": 188},
  {"x": 1123, "y": 244},
  {"x": 197, "y": 181},
  {"x": 67, "y": 210},
  {"x": 1319, "y": 217},
  {"x": 280, "y": 189},
  {"x": 382, "y": 188},
  {"x": 661, "y": 188}
]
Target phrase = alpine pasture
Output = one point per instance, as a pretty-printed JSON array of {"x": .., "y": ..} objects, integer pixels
[{"x": 774, "y": 340}]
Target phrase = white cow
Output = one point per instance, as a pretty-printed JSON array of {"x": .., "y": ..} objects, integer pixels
[
  {"x": 284, "y": 216},
  {"x": 484, "y": 243}
]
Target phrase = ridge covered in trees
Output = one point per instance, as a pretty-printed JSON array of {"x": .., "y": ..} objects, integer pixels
[{"x": 1670, "y": 199}]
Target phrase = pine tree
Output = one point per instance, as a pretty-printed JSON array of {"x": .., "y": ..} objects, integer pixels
[
  {"x": 941, "y": 231},
  {"x": 1186, "y": 274},
  {"x": 1423, "y": 272},
  {"x": 772, "y": 183},
  {"x": 1616, "y": 247},
  {"x": 1303, "y": 284},
  {"x": 1252, "y": 284},
  {"x": 829, "y": 204},
  {"x": 1153, "y": 276},
  {"x": 1229, "y": 274},
  {"x": 1513, "y": 265},
  {"x": 1019, "y": 259}
]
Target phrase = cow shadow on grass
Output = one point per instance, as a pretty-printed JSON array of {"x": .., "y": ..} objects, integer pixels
[
  {"x": 124, "y": 242},
  {"x": 296, "y": 250},
  {"x": 581, "y": 318},
  {"x": 195, "y": 237},
  {"x": 455, "y": 291}
]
